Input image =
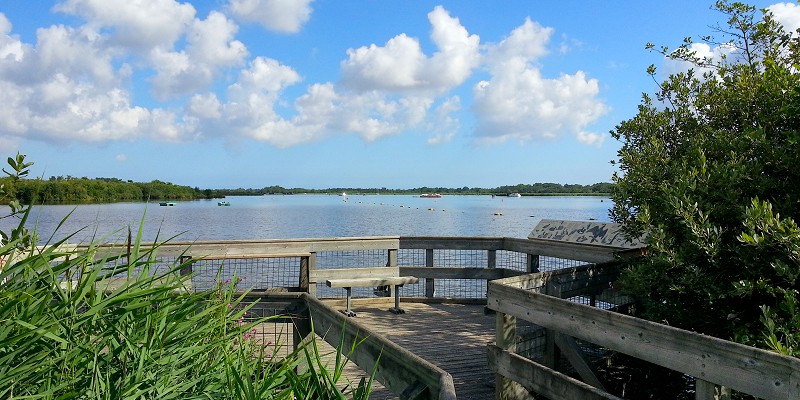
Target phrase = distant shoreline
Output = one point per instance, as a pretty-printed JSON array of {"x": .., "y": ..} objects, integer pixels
[
  {"x": 443, "y": 194},
  {"x": 155, "y": 202},
  {"x": 70, "y": 190}
]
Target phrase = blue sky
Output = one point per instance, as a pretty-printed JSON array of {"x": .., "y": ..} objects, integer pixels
[{"x": 317, "y": 94}]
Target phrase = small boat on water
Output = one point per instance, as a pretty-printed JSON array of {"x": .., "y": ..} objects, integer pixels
[
  {"x": 430, "y": 195},
  {"x": 514, "y": 195},
  {"x": 167, "y": 204},
  {"x": 224, "y": 203}
]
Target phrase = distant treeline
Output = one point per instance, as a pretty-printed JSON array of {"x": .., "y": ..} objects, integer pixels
[
  {"x": 535, "y": 189},
  {"x": 71, "y": 190}
]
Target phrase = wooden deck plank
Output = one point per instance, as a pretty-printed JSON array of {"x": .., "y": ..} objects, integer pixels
[{"x": 452, "y": 336}]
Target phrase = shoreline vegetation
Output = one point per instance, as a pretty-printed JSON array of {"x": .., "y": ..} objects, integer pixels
[{"x": 72, "y": 190}]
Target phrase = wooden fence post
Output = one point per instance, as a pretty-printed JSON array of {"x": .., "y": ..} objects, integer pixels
[
  {"x": 312, "y": 267},
  {"x": 551, "y": 352},
  {"x": 304, "y": 273},
  {"x": 301, "y": 327},
  {"x": 430, "y": 284},
  {"x": 705, "y": 390},
  {"x": 187, "y": 265},
  {"x": 532, "y": 263},
  {"x": 392, "y": 262},
  {"x": 506, "y": 339}
]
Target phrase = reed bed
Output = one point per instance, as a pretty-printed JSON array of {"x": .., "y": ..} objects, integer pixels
[{"x": 76, "y": 327}]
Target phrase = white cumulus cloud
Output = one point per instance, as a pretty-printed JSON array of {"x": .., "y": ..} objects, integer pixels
[
  {"x": 141, "y": 25},
  {"x": 787, "y": 14},
  {"x": 266, "y": 76},
  {"x": 591, "y": 138},
  {"x": 519, "y": 103},
  {"x": 63, "y": 109},
  {"x": 526, "y": 43},
  {"x": 248, "y": 111},
  {"x": 211, "y": 41},
  {"x": 394, "y": 66},
  {"x": 5, "y": 25},
  {"x": 401, "y": 65},
  {"x": 66, "y": 87},
  {"x": 210, "y": 48},
  {"x": 286, "y": 16},
  {"x": 74, "y": 82},
  {"x": 444, "y": 124},
  {"x": 205, "y": 105},
  {"x": 702, "y": 51}
]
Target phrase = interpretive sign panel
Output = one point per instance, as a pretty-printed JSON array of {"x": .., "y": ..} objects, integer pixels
[{"x": 584, "y": 232}]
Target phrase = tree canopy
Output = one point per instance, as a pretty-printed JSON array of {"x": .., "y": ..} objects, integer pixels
[{"x": 710, "y": 173}]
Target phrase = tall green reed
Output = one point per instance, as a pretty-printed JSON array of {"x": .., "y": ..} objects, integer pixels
[
  {"x": 75, "y": 326},
  {"x": 148, "y": 338}
]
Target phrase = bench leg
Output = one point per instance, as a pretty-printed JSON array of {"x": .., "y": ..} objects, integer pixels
[
  {"x": 397, "y": 309},
  {"x": 348, "y": 312}
]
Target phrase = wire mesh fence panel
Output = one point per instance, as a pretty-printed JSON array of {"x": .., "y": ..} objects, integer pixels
[
  {"x": 531, "y": 341},
  {"x": 414, "y": 289},
  {"x": 460, "y": 288},
  {"x": 460, "y": 258},
  {"x": 275, "y": 335},
  {"x": 247, "y": 273},
  {"x": 115, "y": 271},
  {"x": 547, "y": 263},
  {"x": 275, "y": 338},
  {"x": 352, "y": 259},
  {"x": 349, "y": 259},
  {"x": 411, "y": 257},
  {"x": 512, "y": 260},
  {"x": 122, "y": 268}
]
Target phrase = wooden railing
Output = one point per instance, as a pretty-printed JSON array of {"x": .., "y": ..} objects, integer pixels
[
  {"x": 717, "y": 364},
  {"x": 516, "y": 293},
  {"x": 310, "y": 275}
]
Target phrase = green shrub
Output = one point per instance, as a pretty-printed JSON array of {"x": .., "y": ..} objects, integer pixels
[{"x": 705, "y": 169}]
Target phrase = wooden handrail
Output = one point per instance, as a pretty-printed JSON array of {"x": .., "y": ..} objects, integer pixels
[{"x": 746, "y": 369}]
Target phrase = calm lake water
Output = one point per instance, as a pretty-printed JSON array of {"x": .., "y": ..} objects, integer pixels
[{"x": 313, "y": 216}]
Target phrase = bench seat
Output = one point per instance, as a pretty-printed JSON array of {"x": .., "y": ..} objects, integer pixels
[{"x": 362, "y": 282}]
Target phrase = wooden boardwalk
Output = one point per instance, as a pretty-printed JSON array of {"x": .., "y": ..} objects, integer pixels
[{"x": 452, "y": 336}]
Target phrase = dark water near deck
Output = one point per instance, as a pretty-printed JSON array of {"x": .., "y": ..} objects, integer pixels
[{"x": 312, "y": 216}]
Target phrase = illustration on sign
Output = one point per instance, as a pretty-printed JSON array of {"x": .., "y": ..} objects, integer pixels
[{"x": 584, "y": 232}]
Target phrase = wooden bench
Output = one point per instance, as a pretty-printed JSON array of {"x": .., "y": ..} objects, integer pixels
[{"x": 366, "y": 277}]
